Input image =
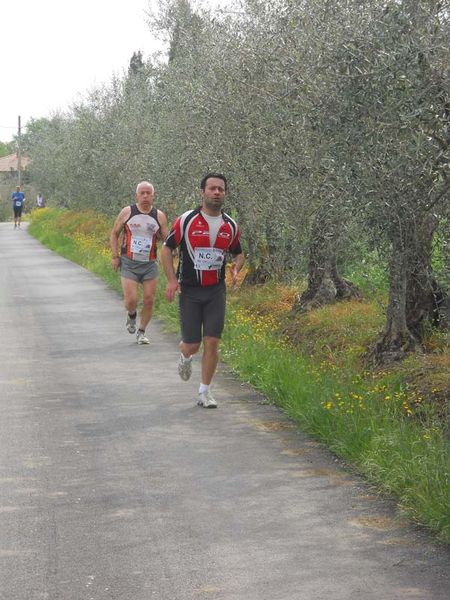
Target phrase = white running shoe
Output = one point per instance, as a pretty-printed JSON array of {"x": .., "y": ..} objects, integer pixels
[
  {"x": 185, "y": 368},
  {"x": 141, "y": 338},
  {"x": 131, "y": 324},
  {"x": 206, "y": 400}
]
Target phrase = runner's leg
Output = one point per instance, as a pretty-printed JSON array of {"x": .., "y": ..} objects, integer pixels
[
  {"x": 191, "y": 314},
  {"x": 213, "y": 324},
  {"x": 210, "y": 358},
  {"x": 188, "y": 350},
  {"x": 148, "y": 301},
  {"x": 130, "y": 294}
]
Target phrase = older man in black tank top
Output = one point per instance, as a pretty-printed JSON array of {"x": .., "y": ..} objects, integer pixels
[{"x": 138, "y": 227}]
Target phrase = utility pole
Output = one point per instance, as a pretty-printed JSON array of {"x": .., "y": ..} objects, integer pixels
[{"x": 19, "y": 166}]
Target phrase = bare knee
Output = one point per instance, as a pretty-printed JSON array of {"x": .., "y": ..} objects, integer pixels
[
  {"x": 130, "y": 294},
  {"x": 189, "y": 349},
  {"x": 148, "y": 301},
  {"x": 211, "y": 344},
  {"x": 130, "y": 304}
]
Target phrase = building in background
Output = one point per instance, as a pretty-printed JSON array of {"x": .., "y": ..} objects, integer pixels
[{"x": 9, "y": 166}]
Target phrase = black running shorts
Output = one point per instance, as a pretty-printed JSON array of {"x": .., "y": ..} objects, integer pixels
[{"x": 202, "y": 312}]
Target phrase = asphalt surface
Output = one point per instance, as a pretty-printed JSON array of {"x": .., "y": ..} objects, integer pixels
[{"x": 115, "y": 485}]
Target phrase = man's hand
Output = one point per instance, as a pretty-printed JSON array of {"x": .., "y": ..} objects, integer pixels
[
  {"x": 238, "y": 262},
  {"x": 171, "y": 290},
  {"x": 115, "y": 262}
]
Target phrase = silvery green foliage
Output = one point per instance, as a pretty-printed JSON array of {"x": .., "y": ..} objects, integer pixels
[
  {"x": 337, "y": 108},
  {"x": 398, "y": 91}
]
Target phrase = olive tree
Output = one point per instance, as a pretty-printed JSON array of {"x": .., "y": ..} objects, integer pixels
[
  {"x": 398, "y": 81},
  {"x": 329, "y": 118}
]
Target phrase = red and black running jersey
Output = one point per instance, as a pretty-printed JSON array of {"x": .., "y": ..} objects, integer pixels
[
  {"x": 140, "y": 229},
  {"x": 202, "y": 264}
]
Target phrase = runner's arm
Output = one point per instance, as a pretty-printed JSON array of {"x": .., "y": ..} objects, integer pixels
[
  {"x": 115, "y": 234},
  {"x": 172, "y": 286},
  {"x": 164, "y": 228},
  {"x": 238, "y": 262}
]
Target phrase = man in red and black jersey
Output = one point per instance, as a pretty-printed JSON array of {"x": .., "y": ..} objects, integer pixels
[
  {"x": 204, "y": 237},
  {"x": 139, "y": 226}
]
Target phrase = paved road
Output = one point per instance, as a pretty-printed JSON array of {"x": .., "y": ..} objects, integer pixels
[{"x": 115, "y": 486}]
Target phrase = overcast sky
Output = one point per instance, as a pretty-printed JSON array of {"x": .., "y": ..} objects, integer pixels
[{"x": 56, "y": 50}]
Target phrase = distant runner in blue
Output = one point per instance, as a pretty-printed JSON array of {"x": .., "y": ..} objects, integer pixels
[{"x": 18, "y": 200}]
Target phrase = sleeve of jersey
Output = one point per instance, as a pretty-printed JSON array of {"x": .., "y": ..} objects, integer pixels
[{"x": 174, "y": 237}]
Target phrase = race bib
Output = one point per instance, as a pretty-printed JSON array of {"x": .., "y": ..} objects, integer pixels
[
  {"x": 18, "y": 203},
  {"x": 208, "y": 259},
  {"x": 140, "y": 247}
]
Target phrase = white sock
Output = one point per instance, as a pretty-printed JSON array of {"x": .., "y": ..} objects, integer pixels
[
  {"x": 184, "y": 359},
  {"x": 203, "y": 388}
]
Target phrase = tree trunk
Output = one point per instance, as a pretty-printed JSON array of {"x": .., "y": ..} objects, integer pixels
[
  {"x": 325, "y": 285},
  {"x": 344, "y": 287},
  {"x": 396, "y": 340},
  {"x": 263, "y": 267},
  {"x": 257, "y": 270},
  {"x": 257, "y": 275},
  {"x": 423, "y": 294}
]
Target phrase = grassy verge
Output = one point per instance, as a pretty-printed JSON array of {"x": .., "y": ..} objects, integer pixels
[{"x": 391, "y": 426}]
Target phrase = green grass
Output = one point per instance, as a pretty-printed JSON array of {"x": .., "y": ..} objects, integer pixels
[
  {"x": 312, "y": 367},
  {"x": 365, "y": 419}
]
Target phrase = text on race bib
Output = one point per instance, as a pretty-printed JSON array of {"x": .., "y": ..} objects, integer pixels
[
  {"x": 140, "y": 246},
  {"x": 208, "y": 259}
]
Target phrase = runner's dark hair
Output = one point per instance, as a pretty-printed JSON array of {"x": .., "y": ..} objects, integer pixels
[{"x": 209, "y": 175}]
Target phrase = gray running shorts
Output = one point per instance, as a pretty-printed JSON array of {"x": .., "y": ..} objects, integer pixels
[
  {"x": 136, "y": 270},
  {"x": 202, "y": 312}
]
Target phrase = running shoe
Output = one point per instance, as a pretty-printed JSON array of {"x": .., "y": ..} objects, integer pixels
[
  {"x": 185, "y": 368},
  {"x": 206, "y": 400},
  {"x": 131, "y": 324},
  {"x": 141, "y": 338}
]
